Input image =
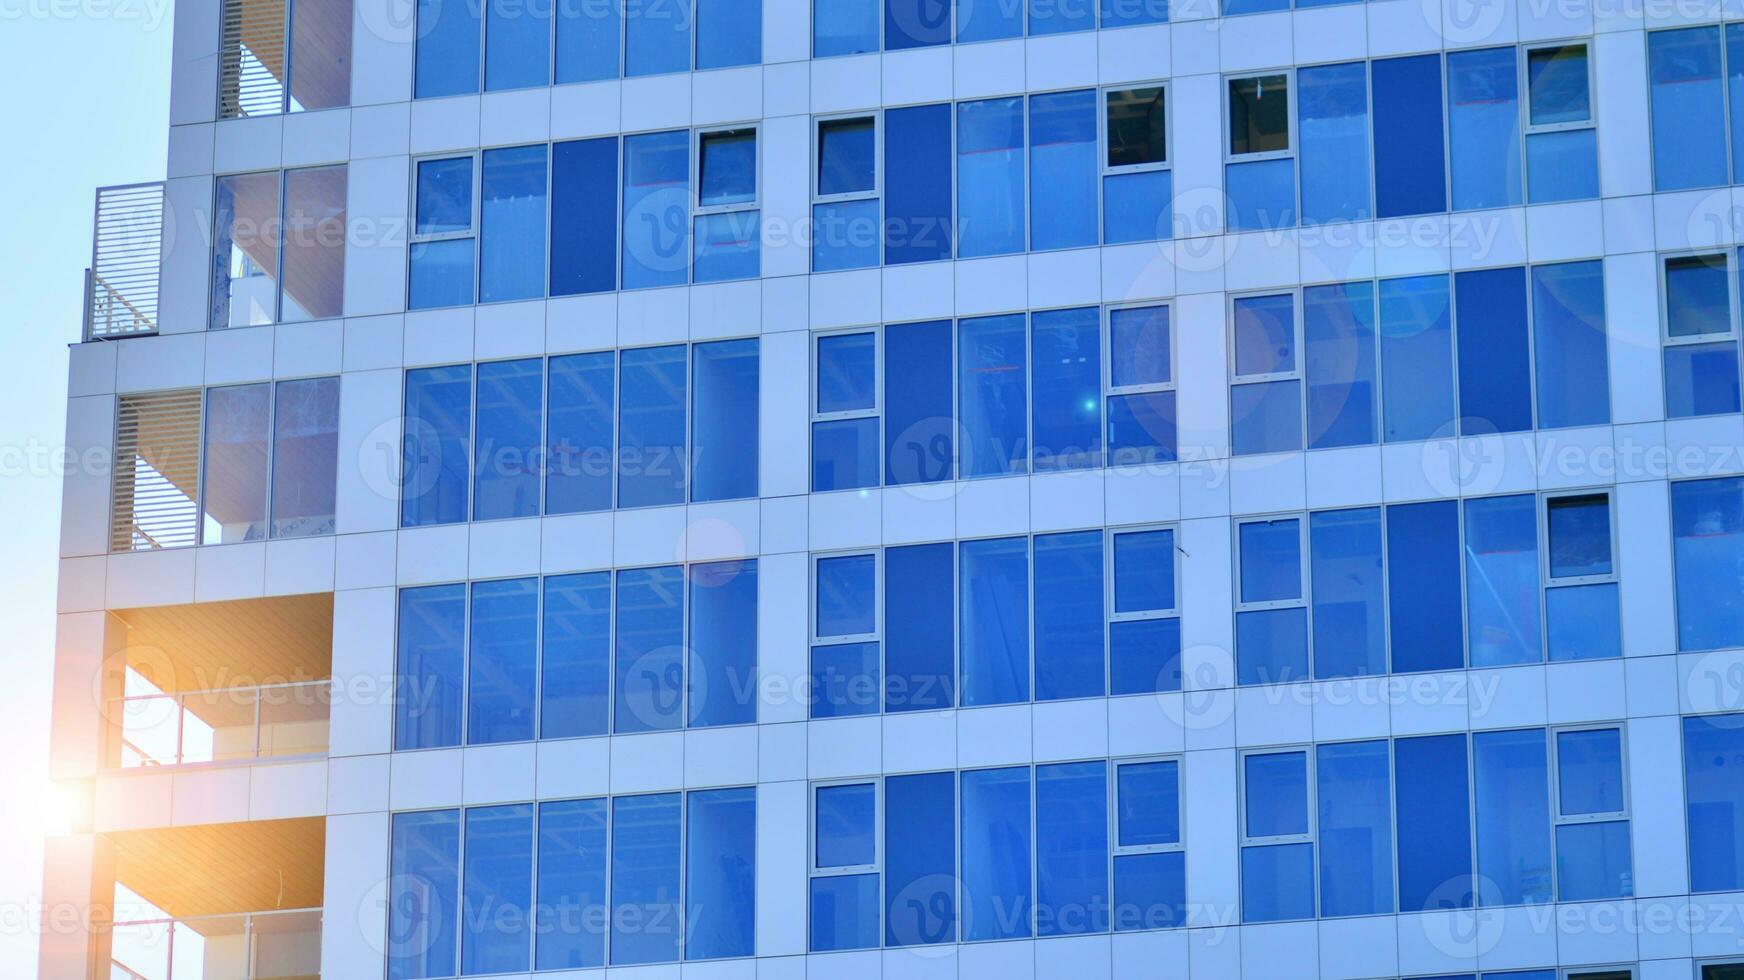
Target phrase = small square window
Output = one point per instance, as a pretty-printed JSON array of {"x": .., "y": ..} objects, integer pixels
[
  {"x": 847, "y": 820},
  {"x": 1135, "y": 127},
  {"x": 1138, "y": 346},
  {"x": 1697, "y": 296},
  {"x": 1580, "y": 536},
  {"x": 1557, "y": 85},
  {"x": 1259, "y": 114},
  {"x": 444, "y": 195},
  {"x": 847, "y": 592},
  {"x": 847, "y": 373},
  {"x": 727, "y": 167},
  {"x": 846, "y": 156}
]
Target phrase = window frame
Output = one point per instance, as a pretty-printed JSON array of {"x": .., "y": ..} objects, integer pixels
[
  {"x": 1108, "y": 571},
  {"x": 1103, "y": 168},
  {"x": 1311, "y": 835},
  {"x": 1112, "y": 390},
  {"x": 1663, "y": 259},
  {"x": 699, "y": 136},
  {"x": 877, "y": 635},
  {"x": 1298, "y": 354},
  {"x": 271, "y": 436},
  {"x": 1545, "y": 576},
  {"x": 1524, "y": 62},
  {"x": 876, "y": 117},
  {"x": 1115, "y": 848},
  {"x": 1302, "y": 553},
  {"x": 473, "y": 233},
  {"x": 1288, "y": 73},
  {"x": 815, "y": 417},
  {"x": 1701, "y": 964},
  {"x": 281, "y": 199},
  {"x": 1560, "y": 819}
]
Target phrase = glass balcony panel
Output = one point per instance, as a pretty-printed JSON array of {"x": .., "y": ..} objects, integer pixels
[
  {"x": 293, "y": 720},
  {"x": 148, "y": 731},
  {"x": 218, "y": 726},
  {"x": 287, "y": 945}
]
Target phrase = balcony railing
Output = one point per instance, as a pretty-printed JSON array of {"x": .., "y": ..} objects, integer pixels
[
  {"x": 227, "y": 725},
  {"x": 251, "y": 946},
  {"x": 121, "y": 285}
]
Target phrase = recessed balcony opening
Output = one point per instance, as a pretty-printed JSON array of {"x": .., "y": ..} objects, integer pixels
[
  {"x": 238, "y": 901},
  {"x": 224, "y": 682}
]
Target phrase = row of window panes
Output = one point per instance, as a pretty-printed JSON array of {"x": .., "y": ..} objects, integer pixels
[
  {"x": 467, "y": 46},
  {"x": 929, "y": 626},
  {"x": 580, "y": 432},
  {"x": 1399, "y": 360},
  {"x": 480, "y": 227},
  {"x": 278, "y": 247},
  {"x": 638, "y": 650},
  {"x": 1406, "y": 136},
  {"x": 1007, "y": 853},
  {"x": 1027, "y": 393},
  {"x": 1435, "y": 585},
  {"x": 843, "y": 27},
  {"x": 572, "y": 884},
  {"x": 269, "y": 461},
  {"x": 890, "y": 188}
]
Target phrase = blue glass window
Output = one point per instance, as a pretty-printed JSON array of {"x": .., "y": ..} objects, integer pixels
[
  {"x": 1568, "y": 326},
  {"x": 1511, "y": 787},
  {"x": 1714, "y": 797},
  {"x": 988, "y": 20},
  {"x": 727, "y": 245},
  {"x": 498, "y": 889},
  {"x": 589, "y": 37},
  {"x": 584, "y": 216},
  {"x": 1592, "y": 832},
  {"x": 989, "y": 175},
  {"x": 1501, "y": 570},
  {"x": 1425, "y": 624},
  {"x": 720, "y": 873},
  {"x": 517, "y": 45},
  {"x": 1061, "y": 16},
  {"x": 657, "y": 38},
  {"x": 1069, "y": 616},
  {"x": 992, "y": 407},
  {"x": 845, "y": 228},
  {"x": 1701, "y": 354},
  {"x": 847, "y": 596},
  {"x": 430, "y": 667},
  {"x": 1262, "y": 187},
  {"x": 916, "y": 23},
  {"x": 575, "y": 662},
  {"x": 1062, "y": 170},
  {"x": 845, "y": 907},
  {"x": 846, "y": 27},
  {"x": 1416, "y": 359},
  {"x": 919, "y": 424},
  {"x": 570, "y": 916},
  {"x": 1495, "y": 351},
  {"x": 1066, "y": 420},
  {"x": 1072, "y": 848},
  {"x": 1410, "y": 175},
  {"x": 844, "y": 431},
  {"x": 651, "y": 440},
  {"x": 1136, "y": 186},
  {"x": 728, "y": 33},
  {"x": 656, "y": 219},
  {"x": 1150, "y": 885},
  {"x": 920, "y": 654},
  {"x": 1707, "y": 529},
  {"x": 1144, "y": 640},
  {"x": 581, "y": 393},
  {"x": 1333, "y": 117},
  {"x": 1277, "y": 856},
  {"x": 844, "y": 658},
  {"x": 1348, "y": 593},
  {"x": 1562, "y": 162},
  {"x": 447, "y": 48},
  {"x": 649, "y": 691},
  {"x": 1355, "y": 828},
  {"x": 1483, "y": 125},
  {"x": 997, "y": 894},
  {"x": 441, "y": 252},
  {"x": 920, "y": 864},
  {"x": 502, "y": 667},
  {"x": 424, "y": 882},
  {"x": 1141, "y": 399},
  {"x": 1580, "y": 600},
  {"x": 1265, "y": 400},
  {"x": 724, "y": 419},
  {"x": 1271, "y": 621},
  {"x": 994, "y": 621},
  {"x": 506, "y": 465},
  {"x": 645, "y": 881},
  {"x": 1689, "y": 106},
  {"x": 721, "y": 683},
  {"x": 1338, "y": 343},
  {"x": 1432, "y": 815},
  {"x": 1735, "y": 95},
  {"x": 917, "y": 181}
]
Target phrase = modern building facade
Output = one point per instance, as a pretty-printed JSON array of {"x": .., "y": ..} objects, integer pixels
[{"x": 895, "y": 488}]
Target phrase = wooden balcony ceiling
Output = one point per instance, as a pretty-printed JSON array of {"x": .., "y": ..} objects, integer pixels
[
  {"x": 222, "y": 868},
  {"x": 238, "y": 643}
]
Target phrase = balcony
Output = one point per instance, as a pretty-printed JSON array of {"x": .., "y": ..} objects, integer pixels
[
  {"x": 251, "y": 946},
  {"x": 238, "y": 724},
  {"x": 121, "y": 286}
]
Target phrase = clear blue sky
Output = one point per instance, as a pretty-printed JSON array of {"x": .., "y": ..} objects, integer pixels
[{"x": 84, "y": 102}]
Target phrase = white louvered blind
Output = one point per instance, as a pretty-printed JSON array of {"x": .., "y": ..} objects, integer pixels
[
  {"x": 251, "y": 60},
  {"x": 126, "y": 248},
  {"x": 157, "y": 471}
]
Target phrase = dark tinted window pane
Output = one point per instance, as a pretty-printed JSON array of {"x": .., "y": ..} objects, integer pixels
[
  {"x": 993, "y": 409},
  {"x": 1144, "y": 656},
  {"x": 1580, "y": 535},
  {"x": 1277, "y": 883},
  {"x": 728, "y": 33},
  {"x": 1433, "y": 822},
  {"x": 844, "y": 678},
  {"x": 1071, "y": 848},
  {"x": 657, "y": 39},
  {"x": 1495, "y": 352},
  {"x": 994, "y": 621},
  {"x": 1275, "y": 794},
  {"x": 727, "y": 167},
  {"x": 916, "y": 23},
  {"x": 1697, "y": 296},
  {"x": 1712, "y": 747},
  {"x": 846, "y": 160},
  {"x": 917, "y": 184},
  {"x": 584, "y": 216},
  {"x": 1349, "y": 600},
  {"x": 919, "y": 652},
  {"x": 1271, "y": 560},
  {"x": 1409, "y": 168},
  {"x": 725, "y": 453},
  {"x": 1067, "y": 417},
  {"x": 1144, "y": 571},
  {"x": 1259, "y": 114},
  {"x": 1423, "y": 556},
  {"x": 1136, "y": 125},
  {"x": 920, "y": 864},
  {"x": 919, "y": 432}
]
